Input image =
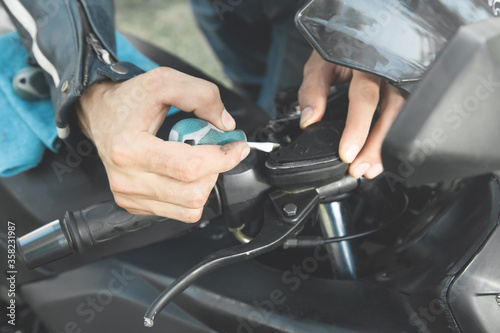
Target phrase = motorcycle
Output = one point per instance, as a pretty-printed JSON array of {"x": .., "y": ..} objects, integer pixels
[{"x": 288, "y": 241}]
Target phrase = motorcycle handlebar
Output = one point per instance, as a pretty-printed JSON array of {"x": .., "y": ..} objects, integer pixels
[
  {"x": 78, "y": 231},
  {"x": 82, "y": 229}
]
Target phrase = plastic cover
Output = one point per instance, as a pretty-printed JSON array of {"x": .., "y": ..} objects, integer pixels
[{"x": 448, "y": 127}]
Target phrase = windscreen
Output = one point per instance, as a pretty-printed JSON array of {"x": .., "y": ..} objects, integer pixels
[{"x": 395, "y": 39}]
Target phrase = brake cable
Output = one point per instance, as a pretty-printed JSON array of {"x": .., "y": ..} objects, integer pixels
[{"x": 311, "y": 241}]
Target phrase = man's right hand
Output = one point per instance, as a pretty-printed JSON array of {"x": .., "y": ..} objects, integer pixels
[{"x": 147, "y": 175}]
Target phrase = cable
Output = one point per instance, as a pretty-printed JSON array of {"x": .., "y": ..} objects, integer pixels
[{"x": 307, "y": 242}]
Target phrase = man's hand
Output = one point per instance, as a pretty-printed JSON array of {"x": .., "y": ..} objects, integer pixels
[
  {"x": 149, "y": 176},
  {"x": 363, "y": 151}
]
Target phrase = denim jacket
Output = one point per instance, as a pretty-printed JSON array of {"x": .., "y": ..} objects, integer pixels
[{"x": 73, "y": 41}]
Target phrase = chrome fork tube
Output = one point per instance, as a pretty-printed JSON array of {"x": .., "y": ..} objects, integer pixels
[{"x": 335, "y": 222}]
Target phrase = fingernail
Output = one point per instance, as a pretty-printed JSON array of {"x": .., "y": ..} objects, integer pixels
[
  {"x": 360, "y": 170},
  {"x": 351, "y": 153},
  {"x": 305, "y": 115},
  {"x": 245, "y": 153},
  {"x": 374, "y": 171},
  {"x": 228, "y": 121}
]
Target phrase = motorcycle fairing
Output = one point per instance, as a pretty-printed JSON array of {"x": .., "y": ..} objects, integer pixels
[{"x": 448, "y": 128}]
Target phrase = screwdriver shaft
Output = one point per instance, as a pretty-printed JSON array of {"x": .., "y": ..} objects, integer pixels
[{"x": 264, "y": 146}]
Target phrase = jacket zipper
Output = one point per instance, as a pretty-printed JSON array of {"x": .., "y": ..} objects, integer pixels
[
  {"x": 103, "y": 54},
  {"x": 93, "y": 43},
  {"x": 86, "y": 67}
]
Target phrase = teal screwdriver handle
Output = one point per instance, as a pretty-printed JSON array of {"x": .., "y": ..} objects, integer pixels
[{"x": 196, "y": 131}]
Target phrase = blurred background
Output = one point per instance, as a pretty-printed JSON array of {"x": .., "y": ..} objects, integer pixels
[{"x": 170, "y": 24}]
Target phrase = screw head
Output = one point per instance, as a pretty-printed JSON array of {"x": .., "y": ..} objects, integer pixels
[
  {"x": 290, "y": 209},
  {"x": 498, "y": 299}
]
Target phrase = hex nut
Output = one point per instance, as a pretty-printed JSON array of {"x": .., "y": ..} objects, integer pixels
[{"x": 290, "y": 209}]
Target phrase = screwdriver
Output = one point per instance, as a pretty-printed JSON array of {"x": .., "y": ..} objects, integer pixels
[{"x": 196, "y": 131}]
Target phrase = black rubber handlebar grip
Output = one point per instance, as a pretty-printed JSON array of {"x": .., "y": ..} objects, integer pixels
[
  {"x": 102, "y": 222},
  {"x": 78, "y": 231}
]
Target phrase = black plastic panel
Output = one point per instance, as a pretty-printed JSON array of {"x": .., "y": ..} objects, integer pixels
[
  {"x": 474, "y": 296},
  {"x": 449, "y": 125}
]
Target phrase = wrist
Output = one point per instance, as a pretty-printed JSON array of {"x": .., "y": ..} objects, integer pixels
[{"x": 89, "y": 105}]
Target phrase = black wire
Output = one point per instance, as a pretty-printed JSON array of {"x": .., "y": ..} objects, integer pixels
[{"x": 304, "y": 242}]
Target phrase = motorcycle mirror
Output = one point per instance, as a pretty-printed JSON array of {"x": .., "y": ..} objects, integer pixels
[{"x": 449, "y": 127}]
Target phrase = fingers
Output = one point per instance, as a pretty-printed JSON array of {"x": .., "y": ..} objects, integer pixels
[
  {"x": 164, "y": 189},
  {"x": 148, "y": 175},
  {"x": 356, "y": 147},
  {"x": 364, "y": 94},
  {"x": 369, "y": 161},
  {"x": 313, "y": 92},
  {"x": 158, "y": 208},
  {"x": 192, "y": 94},
  {"x": 188, "y": 163},
  {"x": 319, "y": 76},
  {"x": 167, "y": 197},
  {"x": 172, "y": 179}
]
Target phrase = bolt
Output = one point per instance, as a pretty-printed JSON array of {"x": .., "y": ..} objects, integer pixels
[
  {"x": 290, "y": 209},
  {"x": 498, "y": 299}
]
